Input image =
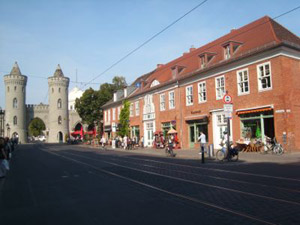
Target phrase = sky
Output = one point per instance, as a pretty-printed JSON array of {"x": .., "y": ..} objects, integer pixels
[{"x": 91, "y": 35}]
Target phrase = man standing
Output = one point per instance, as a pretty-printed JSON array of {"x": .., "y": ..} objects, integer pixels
[{"x": 202, "y": 139}]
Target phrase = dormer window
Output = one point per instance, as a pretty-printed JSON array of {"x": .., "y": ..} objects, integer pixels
[
  {"x": 154, "y": 83},
  {"x": 227, "y": 52},
  {"x": 176, "y": 70},
  {"x": 230, "y": 47},
  {"x": 205, "y": 58}
]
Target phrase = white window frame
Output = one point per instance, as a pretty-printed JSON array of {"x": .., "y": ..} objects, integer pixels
[
  {"x": 189, "y": 95},
  {"x": 202, "y": 89},
  {"x": 137, "y": 108},
  {"x": 218, "y": 97},
  {"x": 119, "y": 111},
  {"x": 227, "y": 51},
  {"x": 162, "y": 100},
  {"x": 105, "y": 116},
  {"x": 239, "y": 81},
  {"x": 114, "y": 114},
  {"x": 172, "y": 100},
  {"x": 131, "y": 110},
  {"x": 108, "y": 115},
  {"x": 259, "y": 77}
]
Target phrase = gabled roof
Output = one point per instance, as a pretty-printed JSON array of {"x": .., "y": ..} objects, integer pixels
[{"x": 258, "y": 34}]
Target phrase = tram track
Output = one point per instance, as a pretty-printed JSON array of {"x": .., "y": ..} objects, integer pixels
[
  {"x": 189, "y": 181},
  {"x": 156, "y": 188}
]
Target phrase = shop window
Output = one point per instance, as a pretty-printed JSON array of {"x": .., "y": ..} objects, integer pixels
[
  {"x": 220, "y": 87},
  {"x": 171, "y": 100},
  {"x": 243, "y": 82},
  {"x": 264, "y": 76},
  {"x": 162, "y": 102},
  {"x": 15, "y": 103},
  {"x": 137, "y": 108},
  {"x": 202, "y": 92},
  {"x": 189, "y": 95}
]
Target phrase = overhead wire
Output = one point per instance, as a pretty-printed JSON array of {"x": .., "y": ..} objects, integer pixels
[
  {"x": 146, "y": 42},
  {"x": 192, "y": 54}
]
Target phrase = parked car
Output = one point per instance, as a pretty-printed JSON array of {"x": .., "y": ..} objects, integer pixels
[{"x": 41, "y": 138}]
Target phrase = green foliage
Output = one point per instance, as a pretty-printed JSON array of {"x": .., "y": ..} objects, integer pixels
[
  {"x": 36, "y": 127},
  {"x": 124, "y": 119},
  {"x": 90, "y": 103}
]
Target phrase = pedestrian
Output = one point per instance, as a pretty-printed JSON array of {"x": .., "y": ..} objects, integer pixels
[
  {"x": 202, "y": 139},
  {"x": 125, "y": 139},
  {"x": 142, "y": 141},
  {"x": 3, "y": 157}
]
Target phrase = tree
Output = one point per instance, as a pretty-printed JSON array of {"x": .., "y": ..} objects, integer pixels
[
  {"x": 119, "y": 83},
  {"x": 36, "y": 127},
  {"x": 124, "y": 119},
  {"x": 88, "y": 106}
]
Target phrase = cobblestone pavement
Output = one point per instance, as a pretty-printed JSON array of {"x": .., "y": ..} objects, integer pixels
[{"x": 71, "y": 184}]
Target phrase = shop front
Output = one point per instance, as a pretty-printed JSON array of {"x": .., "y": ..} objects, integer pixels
[
  {"x": 257, "y": 124},
  {"x": 195, "y": 126},
  {"x": 107, "y": 131},
  {"x": 166, "y": 126}
]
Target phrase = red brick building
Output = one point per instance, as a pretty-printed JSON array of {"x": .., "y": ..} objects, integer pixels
[{"x": 257, "y": 64}]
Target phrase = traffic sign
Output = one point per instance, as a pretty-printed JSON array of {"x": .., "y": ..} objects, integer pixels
[
  {"x": 227, "y": 99},
  {"x": 228, "y": 108}
]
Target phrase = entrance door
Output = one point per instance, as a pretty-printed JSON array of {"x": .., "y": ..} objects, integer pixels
[
  {"x": 192, "y": 136},
  {"x": 60, "y": 137},
  {"x": 219, "y": 127},
  {"x": 148, "y": 131}
]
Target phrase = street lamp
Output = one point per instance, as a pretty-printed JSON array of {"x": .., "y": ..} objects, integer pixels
[
  {"x": 8, "y": 130},
  {"x": 1, "y": 122}
]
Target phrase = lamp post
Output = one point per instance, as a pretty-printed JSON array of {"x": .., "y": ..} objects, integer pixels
[
  {"x": 1, "y": 122},
  {"x": 8, "y": 130}
]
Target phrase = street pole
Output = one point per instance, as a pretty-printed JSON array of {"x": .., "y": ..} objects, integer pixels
[
  {"x": 228, "y": 135},
  {"x": 202, "y": 151}
]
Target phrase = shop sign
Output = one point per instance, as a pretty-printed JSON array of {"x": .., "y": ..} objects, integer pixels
[{"x": 195, "y": 112}]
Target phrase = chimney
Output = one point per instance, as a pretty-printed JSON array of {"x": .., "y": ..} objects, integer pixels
[
  {"x": 115, "y": 96},
  {"x": 125, "y": 92},
  {"x": 159, "y": 65},
  {"x": 192, "y": 48}
]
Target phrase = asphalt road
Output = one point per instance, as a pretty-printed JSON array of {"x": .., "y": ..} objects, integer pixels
[{"x": 67, "y": 184}]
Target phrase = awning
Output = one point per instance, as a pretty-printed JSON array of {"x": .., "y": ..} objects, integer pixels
[
  {"x": 201, "y": 119},
  {"x": 254, "y": 110}
]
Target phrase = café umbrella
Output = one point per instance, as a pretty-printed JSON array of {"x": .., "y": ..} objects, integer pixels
[{"x": 172, "y": 131}]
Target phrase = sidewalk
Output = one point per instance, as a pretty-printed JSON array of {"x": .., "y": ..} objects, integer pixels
[{"x": 194, "y": 154}]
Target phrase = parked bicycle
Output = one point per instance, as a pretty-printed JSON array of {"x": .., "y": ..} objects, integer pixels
[
  {"x": 233, "y": 154},
  {"x": 272, "y": 146}
]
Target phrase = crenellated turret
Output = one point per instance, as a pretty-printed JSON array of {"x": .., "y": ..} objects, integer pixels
[
  {"x": 15, "y": 97},
  {"x": 58, "y": 106}
]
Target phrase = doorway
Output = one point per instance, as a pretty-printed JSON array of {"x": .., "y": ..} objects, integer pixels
[{"x": 60, "y": 137}]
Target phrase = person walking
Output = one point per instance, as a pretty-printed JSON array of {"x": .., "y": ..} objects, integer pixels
[
  {"x": 3, "y": 157},
  {"x": 202, "y": 139}
]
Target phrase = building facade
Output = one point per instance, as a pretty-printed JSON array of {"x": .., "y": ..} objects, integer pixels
[
  {"x": 58, "y": 119},
  {"x": 258, "y": 65}
]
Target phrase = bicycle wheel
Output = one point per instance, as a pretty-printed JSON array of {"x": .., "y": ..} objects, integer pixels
[
  {"x": 278, "y": 149},
  {"x": 220, "y": 155},
  {"x": 234, "y": 157}
]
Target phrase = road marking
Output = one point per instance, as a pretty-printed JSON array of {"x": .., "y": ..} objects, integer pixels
[{"x": 164, "y": 191}]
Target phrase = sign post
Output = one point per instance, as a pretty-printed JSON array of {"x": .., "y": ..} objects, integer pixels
[{"x": 228, "y": 109}]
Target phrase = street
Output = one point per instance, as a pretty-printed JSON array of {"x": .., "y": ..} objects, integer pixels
[{"x": 72, "y": 184}]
